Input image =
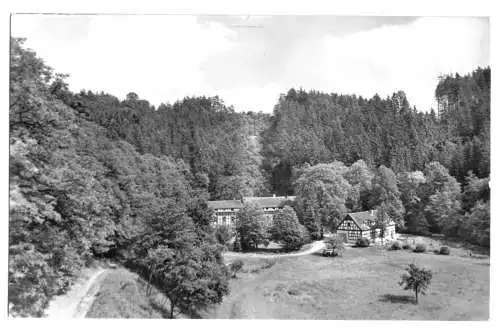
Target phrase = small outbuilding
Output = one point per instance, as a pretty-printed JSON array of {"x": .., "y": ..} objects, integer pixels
[{"x": 364, "y": 224}]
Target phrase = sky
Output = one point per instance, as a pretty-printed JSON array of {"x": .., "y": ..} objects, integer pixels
[{"x": 248, "y": 61}]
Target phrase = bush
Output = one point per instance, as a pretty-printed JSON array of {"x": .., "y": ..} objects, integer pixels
[
  {"x": 223, "y": 235},
  {"x": 306, "y": 237},
  {"x": 406, "y": 246},
  {"x": 396, "y": 245},
  {"x": 235, "y": 267},
  {"x": 444, "y": 250},
  {"x": 420, "y": 248},
  {"x": 335, "y": 243},
  {"x": 237, "y": 245},
  {"x": 362, "y": 242}
]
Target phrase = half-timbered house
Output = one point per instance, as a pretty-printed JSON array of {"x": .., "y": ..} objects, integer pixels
[{"x": 364, "y": 224}]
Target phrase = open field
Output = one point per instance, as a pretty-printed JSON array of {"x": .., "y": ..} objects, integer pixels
[{"x": 363, "y": 284}]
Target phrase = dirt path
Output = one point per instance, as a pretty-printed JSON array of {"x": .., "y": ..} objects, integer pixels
[
  {"x": 315, "y": 247},
  {"x": 77, "y": 301}
]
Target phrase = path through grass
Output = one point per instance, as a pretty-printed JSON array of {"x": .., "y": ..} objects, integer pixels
[{"x": 363, "y": 284}]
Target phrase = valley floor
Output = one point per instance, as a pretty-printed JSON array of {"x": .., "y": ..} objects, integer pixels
[{"x": 363, "y": 284}]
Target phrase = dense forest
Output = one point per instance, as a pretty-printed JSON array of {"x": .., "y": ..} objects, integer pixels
[
  {"x": 79, "y": 192},
  {"x": 316, "y": 127},
  {"x": 94, "y": 176}
]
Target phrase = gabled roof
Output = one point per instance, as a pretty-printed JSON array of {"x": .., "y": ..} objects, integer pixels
[
  {"x": 361, "y": 218},
  {"x": 225, "y": 204},
  {"x": 263, "y": 202},
  {"x": 365, "y": 218},
  {"x": 269, "y": 201}
]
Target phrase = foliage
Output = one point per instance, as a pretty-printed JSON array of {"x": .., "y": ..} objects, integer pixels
[
  {"x": 382, "y": 218},
  {"x": 359, "y": 176},
  {"x": 442, "y": 198},
  {"x": 207, "y": 135},
  {"x": 362, "y": 242},
  {"x": 417, "y": 280},
  {"x": 420, "y": 248},
  {"x": 189, "y": 280},
  {"x": 396, "y": 245},
  {"x": 250, "y": 227},
  {"x": 287, "y": 230},
  {"x": 475, "y": 225},
  {"x": 336, "y": 243},
  {"x": 411, "y": 185},
  {"x": 406, "y": 246},
  {"x": 475, "y": 189},
  {"x": 77, "y": 193},
  {"x": 444, "y": 250},
  {"x": 311, "y": 222},
  {"x": 314, "y": 127},
  {"x": 385, "y": 195},
  {"x": 237, "y": 244},
  {"x": 223, "y": 235},
  {"x": 322, "y": 190},
  {"x": 235, "y": 267}
]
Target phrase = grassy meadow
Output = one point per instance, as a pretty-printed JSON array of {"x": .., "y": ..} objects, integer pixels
[{"x": 363, "y": 284}]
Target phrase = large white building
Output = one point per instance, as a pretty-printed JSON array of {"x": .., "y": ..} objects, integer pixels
[{"x": 225, "y": 210}]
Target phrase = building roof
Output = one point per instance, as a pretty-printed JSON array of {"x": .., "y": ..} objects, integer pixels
[
  {"x": 225, "y": 204},
  {"x": 269, "y": 201},
  {"x": 264, "y": 202},
  {"x": 363, "y": 219}
]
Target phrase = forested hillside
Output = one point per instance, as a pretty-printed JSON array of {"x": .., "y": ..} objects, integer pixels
[
  {"x": 78, "y": 193},
  {"x": 95, "y": 176},
  {"x": 429, "y": 172},
  {"x": 316, "y": 127},
  {"x": 209, "y": 137}
]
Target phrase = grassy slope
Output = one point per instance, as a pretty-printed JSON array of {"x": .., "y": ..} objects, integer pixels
[
  {"x": 361, "y": 285},
  {"x": 123, "y": 295}
]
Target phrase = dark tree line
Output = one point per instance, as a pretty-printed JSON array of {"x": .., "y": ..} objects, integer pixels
[
  {"x": 313, "y": 127},
  {"x": 216, "y": 142}
]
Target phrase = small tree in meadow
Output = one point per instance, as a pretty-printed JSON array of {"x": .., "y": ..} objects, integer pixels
[
  {"x": 417, "y": 280},
  {"x": 235, "y": 267}
]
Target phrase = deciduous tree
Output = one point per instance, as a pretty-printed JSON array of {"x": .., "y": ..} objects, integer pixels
[{"x": 417, "y": 280}]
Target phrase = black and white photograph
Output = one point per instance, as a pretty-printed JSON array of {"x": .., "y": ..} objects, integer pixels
[{"x": 254, "y": 166}]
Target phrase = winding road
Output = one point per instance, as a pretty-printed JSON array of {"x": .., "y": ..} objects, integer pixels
[
  {"x": 77, "y": 301},
  {"x": 314, "y": 247}
]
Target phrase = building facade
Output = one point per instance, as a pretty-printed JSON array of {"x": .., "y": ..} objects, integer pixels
[
  {"x": 225, "y": 210},
  {"x": 363, "y": 224}
]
